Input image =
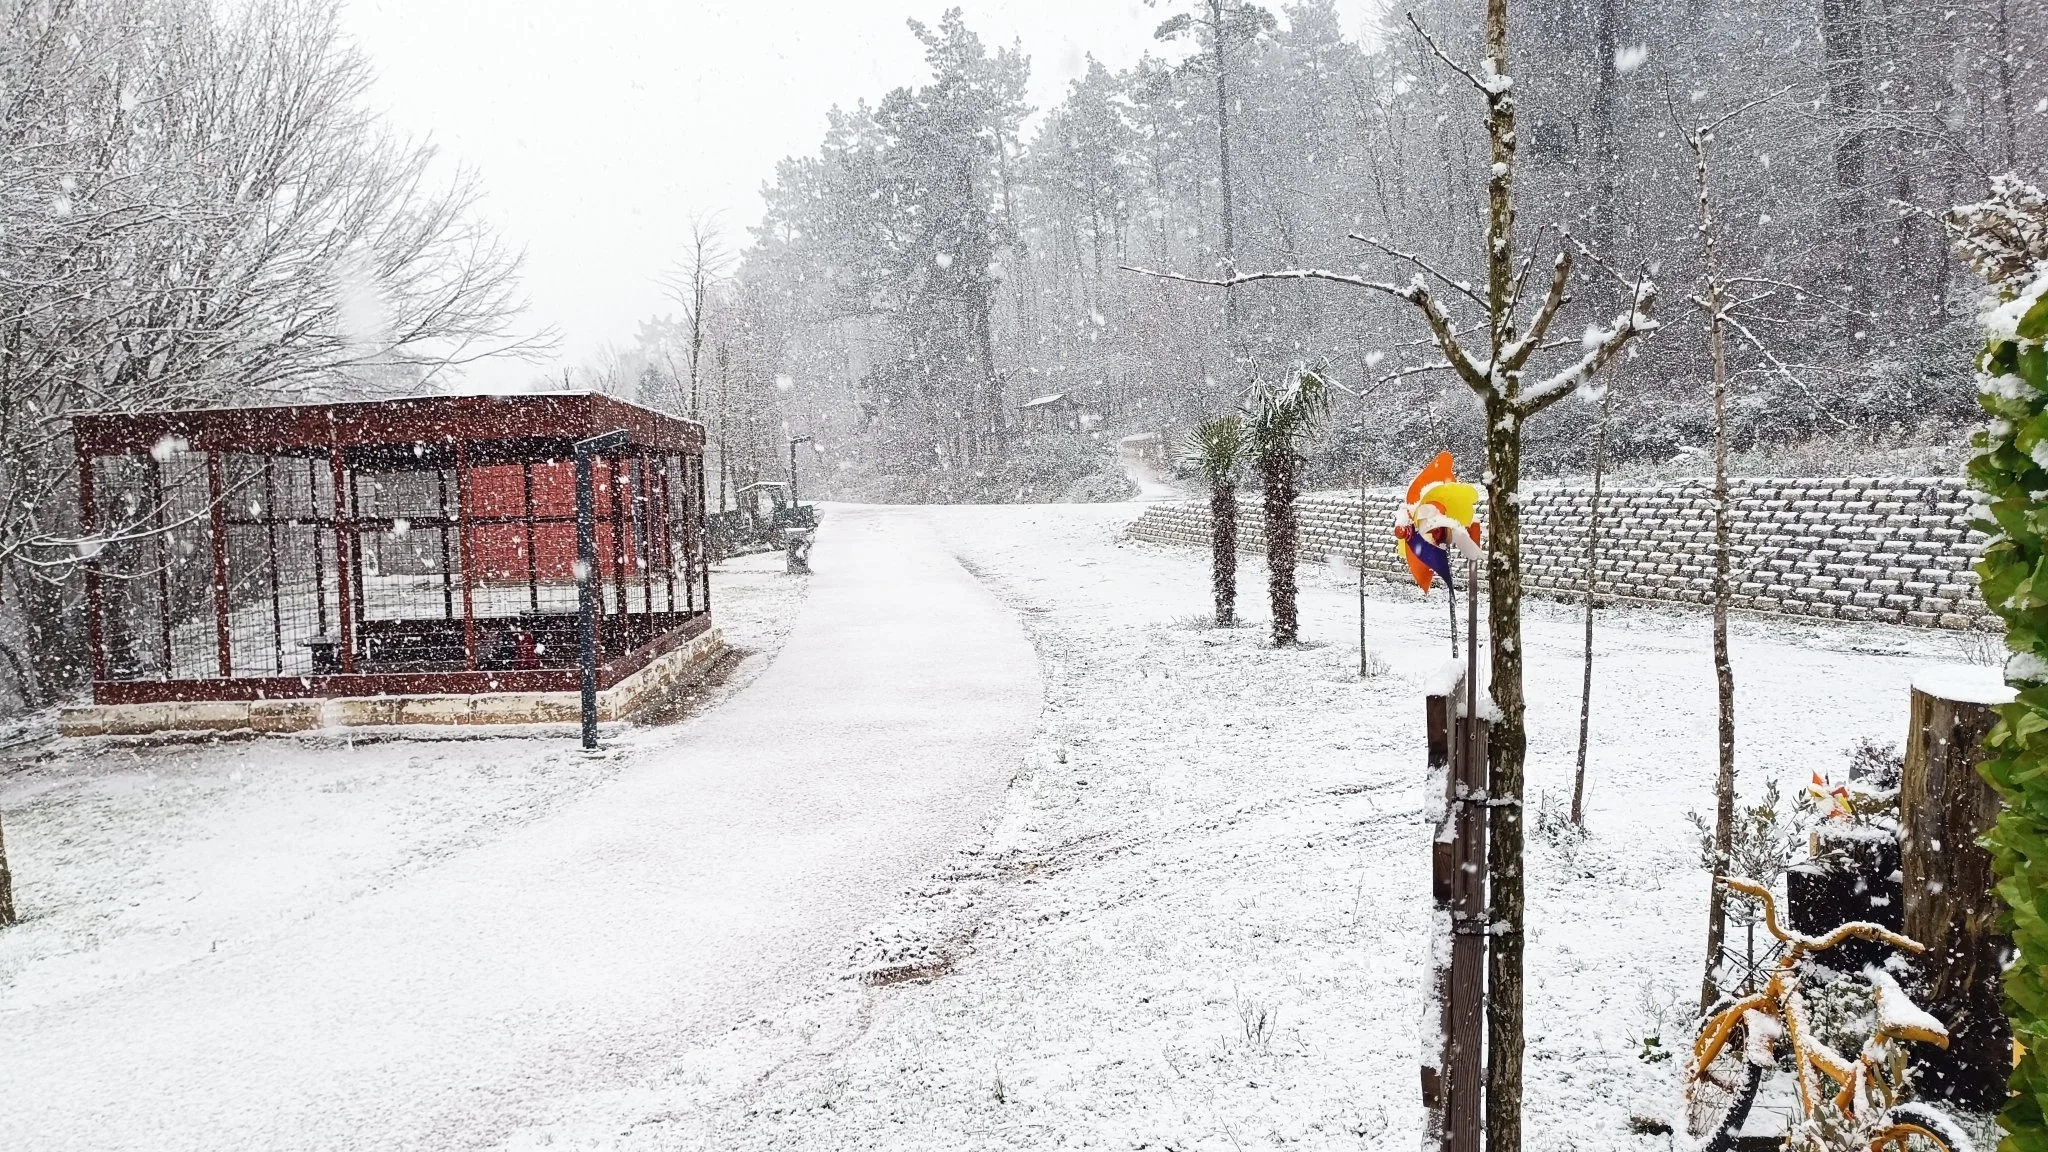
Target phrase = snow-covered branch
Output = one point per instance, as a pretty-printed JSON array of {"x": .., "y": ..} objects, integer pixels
[
  {"x": 1517, "y": 353},
  {"x": 1602, "y": 345},
  {"x": 1462, "y": 287},
  {"x": 1403, "y": 291}
]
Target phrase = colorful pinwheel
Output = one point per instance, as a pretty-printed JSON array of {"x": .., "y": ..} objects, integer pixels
[
  {"x": 1439, "y": 518},
  {"x": 1834, "y": 802}
]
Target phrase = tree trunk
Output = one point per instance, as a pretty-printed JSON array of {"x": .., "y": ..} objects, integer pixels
[
  {"x": 2002, "y": 51},
  {"x": 1364, "y": 659},
  {"x": 1508, "y": 737},
  {"x": 1607, "y": 161},
  {"x": 1508, "y": 746},
  {"x": 1715, "y": 298},
  {"x": 55, "y": 638},
  {"x": 1946, "y": 807},
  {"x": 1223, "y": 176},
  {"x": 1842, "y": 53},
  {"x": 1607, "y": 165},
  {"x": 1282, "y": 543},
  {"x": 1223, "y": 552},
  {"x": 1592, "y": 583},
  {"x": 7, "y": 915}
]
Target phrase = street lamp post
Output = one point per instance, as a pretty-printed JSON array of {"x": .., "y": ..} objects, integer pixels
[{"x": 793, "y": 442}]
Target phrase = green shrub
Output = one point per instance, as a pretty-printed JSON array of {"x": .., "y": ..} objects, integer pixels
[{"x": 2010, "y": 474}]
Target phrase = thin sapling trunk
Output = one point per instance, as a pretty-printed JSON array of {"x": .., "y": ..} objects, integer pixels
[
  {"x": 1714, "y": 299},
  {"x": 1592, "y": 582},
  {"x": 1364, "y": 662}
]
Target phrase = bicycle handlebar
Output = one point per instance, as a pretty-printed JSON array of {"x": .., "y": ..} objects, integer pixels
[{"x": 1861, "y": 930}]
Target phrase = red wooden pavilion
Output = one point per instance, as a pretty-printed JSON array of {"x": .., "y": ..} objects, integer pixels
[{"x": 421, "y": 546}]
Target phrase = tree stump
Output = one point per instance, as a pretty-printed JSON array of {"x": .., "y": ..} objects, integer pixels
[
  {"x": 1853, "y": 877},
  {"x": 1945, "y": 806}
]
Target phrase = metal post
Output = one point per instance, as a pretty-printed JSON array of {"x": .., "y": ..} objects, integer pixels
[
  {"x": 793, "y": 442},
  {"x": 222, "y": 614},
  {"x": 95, "y": 597},
  {"x": 465, "y": 551},
  {"x": 586, "y": 572},
  {"x": 1472, "y": 660},
  {"x": 276, "y": 585}
]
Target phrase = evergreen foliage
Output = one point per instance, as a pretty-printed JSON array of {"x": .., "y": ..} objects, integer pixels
[{"x": 2010, "y": 473}]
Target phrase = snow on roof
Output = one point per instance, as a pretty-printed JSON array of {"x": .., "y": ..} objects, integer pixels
[
  {"x": 1968, "y": 683},
  {"x": 1044, "y": 400},
  {"x": 1139, "y": 438}
]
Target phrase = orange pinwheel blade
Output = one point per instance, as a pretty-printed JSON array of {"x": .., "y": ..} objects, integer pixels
[{"x": 1439, "y": 471}]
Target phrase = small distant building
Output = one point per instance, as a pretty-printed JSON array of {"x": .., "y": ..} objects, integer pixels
[
  {"x": 1054, "y": 413},
  {"x": 1147, "y": 446}
]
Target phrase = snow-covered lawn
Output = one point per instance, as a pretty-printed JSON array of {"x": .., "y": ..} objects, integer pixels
[
  {"x": 1200, "y": 923},
  {"x": 1194, "y": 922}
]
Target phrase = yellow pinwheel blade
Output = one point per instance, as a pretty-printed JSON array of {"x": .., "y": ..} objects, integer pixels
[{"x": 1460, "y": 502}]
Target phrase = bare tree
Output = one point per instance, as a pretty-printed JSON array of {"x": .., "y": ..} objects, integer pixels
[
  {"x": 199, "y": 212},
  {"x": 1592, "y": 583},
  {"x": 694, "y": 287},
  {"x": 1718, "y": 301},
  {"x": 1227, "y": 24}
]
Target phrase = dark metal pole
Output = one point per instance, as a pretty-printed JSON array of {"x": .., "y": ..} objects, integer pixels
[
  {"x": 793, "y": 442},
  {"x": 587, "y": 590}
]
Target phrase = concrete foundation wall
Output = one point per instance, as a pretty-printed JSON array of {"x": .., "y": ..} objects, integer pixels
[
  {"x": 656, "y": 681},
  {"x": 1885, "y": 549}
]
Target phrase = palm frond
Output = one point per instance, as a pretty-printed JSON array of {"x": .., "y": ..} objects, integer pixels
[
  {"x": 1278, "y": 417},
  {"x": 1216, "y": 449}
]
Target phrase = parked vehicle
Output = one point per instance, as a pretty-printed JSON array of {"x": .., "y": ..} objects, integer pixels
[{"x": 764, "y": 518}]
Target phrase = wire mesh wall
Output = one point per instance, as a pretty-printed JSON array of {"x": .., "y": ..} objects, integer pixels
[{"x": 320, "y": 565}]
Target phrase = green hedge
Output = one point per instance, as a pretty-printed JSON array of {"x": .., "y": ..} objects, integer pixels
[{"x": 2010, "y": 473}]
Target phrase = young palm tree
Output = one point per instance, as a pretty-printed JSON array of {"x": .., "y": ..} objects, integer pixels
[
  {"x": 1279, "y": 420},
  {"x": 1216, "y": 449},
  {"x": 7, "y": 916}
]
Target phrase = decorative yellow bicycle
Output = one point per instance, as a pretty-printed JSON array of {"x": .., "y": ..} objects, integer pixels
[{"x": 1740, "y": 1041}]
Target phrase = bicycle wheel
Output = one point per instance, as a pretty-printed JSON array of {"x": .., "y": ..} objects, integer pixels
[
  {"x": 1920, "y": 1128},
  {"x": 1718, "y": 1097}
]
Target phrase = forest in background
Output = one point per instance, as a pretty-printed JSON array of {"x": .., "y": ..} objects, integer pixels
[
  {"x": 950, "y": 253},
  {"x": 198, "y": 207}
]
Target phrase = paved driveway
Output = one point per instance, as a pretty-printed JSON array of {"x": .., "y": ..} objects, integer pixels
[{"x": 720, "y": 873}]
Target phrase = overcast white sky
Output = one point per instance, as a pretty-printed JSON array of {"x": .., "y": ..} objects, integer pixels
[{"x": 600, "y": 126}]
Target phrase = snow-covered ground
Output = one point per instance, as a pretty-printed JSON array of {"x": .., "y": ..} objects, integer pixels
[
  {"x": 383, "y": 976},
  {"x": 1194, "y": 921},
  {"x": 1201, "y": 920}
]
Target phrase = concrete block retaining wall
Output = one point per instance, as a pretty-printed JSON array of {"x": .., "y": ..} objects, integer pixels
[{"x": 1883, "y": 549}]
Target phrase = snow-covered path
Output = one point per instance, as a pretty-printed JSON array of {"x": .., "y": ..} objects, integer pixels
[
  {"x": 1152, "y": 484},
  {"x": 589, "y": 951}
]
